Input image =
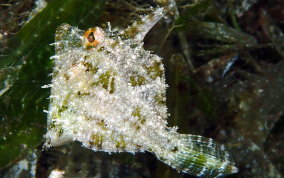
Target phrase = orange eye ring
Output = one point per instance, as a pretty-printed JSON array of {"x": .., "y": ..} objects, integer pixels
[{"x": 92, "y": 37}]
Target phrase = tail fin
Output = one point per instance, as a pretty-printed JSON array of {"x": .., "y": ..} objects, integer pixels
[{"x": 198, "y": 156}]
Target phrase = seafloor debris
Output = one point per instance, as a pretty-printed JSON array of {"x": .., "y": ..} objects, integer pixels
[{"x": 109, "y": 94}]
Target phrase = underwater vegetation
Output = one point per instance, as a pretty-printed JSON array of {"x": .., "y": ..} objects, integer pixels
[{"x": 223, "y": 64}]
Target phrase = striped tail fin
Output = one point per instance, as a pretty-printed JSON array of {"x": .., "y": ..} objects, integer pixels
[{"x": 198, "y": 156}]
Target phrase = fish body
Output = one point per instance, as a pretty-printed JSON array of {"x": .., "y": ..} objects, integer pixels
[{"x": 109, "y": 93}]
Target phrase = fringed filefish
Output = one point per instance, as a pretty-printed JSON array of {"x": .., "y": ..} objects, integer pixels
[{"x": 108, "y": 93}]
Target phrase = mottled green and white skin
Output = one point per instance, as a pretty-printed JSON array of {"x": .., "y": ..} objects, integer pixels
[{"x": 111, "y": 97}]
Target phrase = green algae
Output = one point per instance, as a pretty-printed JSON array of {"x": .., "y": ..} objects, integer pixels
[
  {"x": 137, "y": 80},
  {"x": 91, "y": 68},
  {"x": 141, "y": 119},
  {"x": 97, "y": 140},
  {"x": 160, "y": 99},
  {"x": 120, "y": 144},
  {"x": 106, "y": 80},
  {"x": 154, "y": 70}
]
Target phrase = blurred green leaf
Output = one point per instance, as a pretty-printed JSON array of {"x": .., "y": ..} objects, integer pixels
[
  {"x": 221, "y": 49},
  {"x": 219, "y": 32}
]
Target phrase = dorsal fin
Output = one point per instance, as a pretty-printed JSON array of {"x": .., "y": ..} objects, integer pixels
[{"x": 138, "y": 30}]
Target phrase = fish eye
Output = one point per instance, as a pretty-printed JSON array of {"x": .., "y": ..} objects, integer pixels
[{"x": 92, "y": 37}]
